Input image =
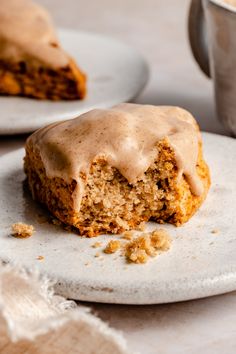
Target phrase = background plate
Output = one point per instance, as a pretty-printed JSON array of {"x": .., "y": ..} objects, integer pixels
[
  {"x": 199, "y": 263},
  {"x": 116, "y": 73}
]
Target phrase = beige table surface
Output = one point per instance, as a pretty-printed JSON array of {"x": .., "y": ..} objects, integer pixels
[{"x": 158, "y": 29}]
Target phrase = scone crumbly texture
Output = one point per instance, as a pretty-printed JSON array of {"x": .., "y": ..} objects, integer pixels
[
  {"x": 32, "y": 62},
  {"x": 42, "y": 82},
  {"x": 21, "y": 230},
  {"x": 112, "y": 246},
  {"x": 109, "y": 202},
  {"x": 141, "y": 248}
]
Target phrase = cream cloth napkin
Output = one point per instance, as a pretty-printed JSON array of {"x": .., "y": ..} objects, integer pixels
[{"x": 34, "y": 320}]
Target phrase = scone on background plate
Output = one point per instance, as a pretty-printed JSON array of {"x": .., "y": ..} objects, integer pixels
[
  {"x": 109, "y": 170},
  {"x": 32, "y": 63}
]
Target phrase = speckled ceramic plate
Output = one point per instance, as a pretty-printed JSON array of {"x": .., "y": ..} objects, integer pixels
[
  {"x": 200, "y": 263},
  {"x": 116, "y": 73}
]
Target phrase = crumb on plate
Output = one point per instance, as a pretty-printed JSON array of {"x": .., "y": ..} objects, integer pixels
[
  {"x": 141, "y": 226},
  {"x": 97, "y": 244},
  {"x": 57, "y": 222},
  {"x": 215, "y": 231},
  {"x": 112, "y": 246},
  {"x": 40, "y": 258},
  {"x": 21, "y": 230},
  {"x": 42, "y": 219},
  {"x": 141, "y": 248},
  {"x": 128, "y": 235}
]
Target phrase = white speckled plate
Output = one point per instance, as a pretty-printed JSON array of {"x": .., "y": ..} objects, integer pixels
[
  {"x": 200, "y": 263},
  {"x": 116, "y": 73}
]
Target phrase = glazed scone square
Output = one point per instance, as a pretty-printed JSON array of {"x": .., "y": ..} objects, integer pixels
[{"x": 109, "y": 170}]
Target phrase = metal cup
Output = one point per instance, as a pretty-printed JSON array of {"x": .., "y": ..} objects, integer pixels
[{"x": 212, "y": 34}]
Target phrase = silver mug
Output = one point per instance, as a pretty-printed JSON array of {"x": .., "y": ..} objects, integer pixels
[{"x": 212, "y": 34}]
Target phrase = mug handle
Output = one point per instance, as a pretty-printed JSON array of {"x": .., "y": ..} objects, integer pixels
[{"x": 197, "y": 35}]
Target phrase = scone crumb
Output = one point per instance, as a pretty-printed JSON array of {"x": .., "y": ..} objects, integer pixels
[
  {"x": 97, "y": 244},
  {"x": 40, "y": 258},
  {"x": 137, "y": 255},
  {"x": 141, "y": 248},
  {"x": 112, "y": 246},
  {"x": 42, "y": 219},
  {"x": 98, "y": 254},
  {"x": 215, "y": 231},
  {"x": 160, "y": 240},
  {"x": 128, "y": 235},
  {"x": 67, "y": 228},
  {"x": 141, "y": 226},
  {"x": 56, "y": 222},
  {"x": 21, "y": 230}
]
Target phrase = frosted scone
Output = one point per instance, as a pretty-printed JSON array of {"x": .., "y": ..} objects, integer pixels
[
  {"x": 109, "y": 170},
  {"x": 32, "y": 63}
]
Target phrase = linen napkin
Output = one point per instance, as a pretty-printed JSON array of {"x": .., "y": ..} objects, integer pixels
[{"x": 34, "y": 320}]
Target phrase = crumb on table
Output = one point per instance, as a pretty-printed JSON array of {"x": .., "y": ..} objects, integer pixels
[
  {"x": 21, "y": 230},
  {"x": 141, "y": 248},
  {"x": 112, "y": 246}
]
